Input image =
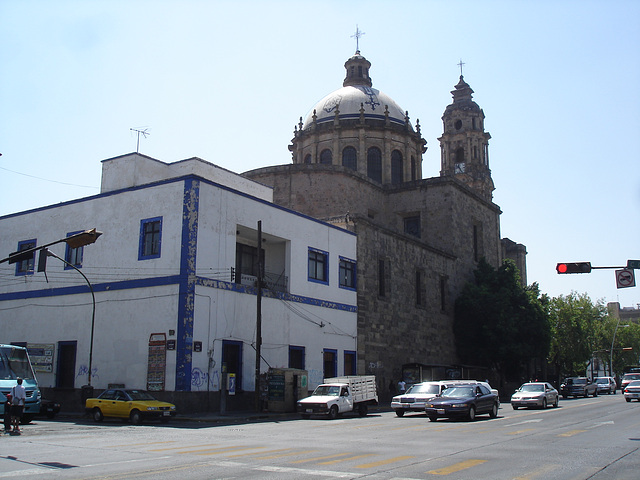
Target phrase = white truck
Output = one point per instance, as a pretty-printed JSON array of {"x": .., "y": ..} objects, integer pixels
[{"x": 341, "y": 394}]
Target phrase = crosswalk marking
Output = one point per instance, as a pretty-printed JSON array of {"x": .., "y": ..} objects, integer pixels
[
  {"x": 571, "y": 433},
  {"x": 456, "y": 467},
  {"x": 384, "y": 462},
  {"x": 217, "y": 451},
  {"x": 321, "y": 458},
  {"x": 330, "y": 462},
  {"x": 289, "y": 454},
  {"x": 174, "y": 448},
  {"x": 542, "y": 471},
  {"x": 258, "y": 453}
]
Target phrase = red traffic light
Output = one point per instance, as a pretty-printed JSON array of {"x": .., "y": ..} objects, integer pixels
[{"x": 576, "y": 267}]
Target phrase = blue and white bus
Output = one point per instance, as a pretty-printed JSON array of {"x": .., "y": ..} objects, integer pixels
[{"x": 14, "y": 364}]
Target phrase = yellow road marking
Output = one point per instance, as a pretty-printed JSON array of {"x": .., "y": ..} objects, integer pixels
[
  {"x": 287, "y": 454},
  {"x": 174, "y": 448},
  {"x": 539, "y": 472},
  {"x": 456, "y": 467},
  {"x": 217, "y": 451},
  {"x": 384, "y": 462},
  {"x": 571, "y": 433},
  {"x": 330, "y": 462},
  {"x": 258, "y": 453},
  {"x": 518, "y": 432},
  {"x": 320, "y": 458}
]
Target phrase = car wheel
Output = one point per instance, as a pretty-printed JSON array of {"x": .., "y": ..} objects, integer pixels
[
  {"x": 135, "y": 417},
  {"x": 586, "y": 394},
  {"x": 555, "y": 403},
  {"x": 433, "y": 418},
  {"x": 494, "y": 411},
  {"x": 515, "y": 407},
  {"x": 564, "y": 396},
  {"x": 544, "y": 403},
  {"x": 97, "y": 415},
  {"x": 595, "y": 393},
  {"x": 628, "y": 399},
  {"x": 333, "y": 412},
  {"x": 363, "y": 410},
  {"x": 399, "y": 413},
  {"x": 472, "y": 413}
]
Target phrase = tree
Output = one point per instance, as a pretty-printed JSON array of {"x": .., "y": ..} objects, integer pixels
[
  {"x": 499, "y": 323},
  {"x": 578, "y": 329}
]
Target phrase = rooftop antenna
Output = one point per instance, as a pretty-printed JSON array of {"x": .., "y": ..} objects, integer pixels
[
  {"x": 461, "y": 64},
  {"x": 357, "y": 36},
  {"x": 142, "y": 132}
]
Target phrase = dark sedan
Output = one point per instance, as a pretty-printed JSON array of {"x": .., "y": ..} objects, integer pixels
[{"x": 463, "y": 401}]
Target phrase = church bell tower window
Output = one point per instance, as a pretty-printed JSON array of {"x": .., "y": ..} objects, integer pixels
[{"x": 374, "y": 164}]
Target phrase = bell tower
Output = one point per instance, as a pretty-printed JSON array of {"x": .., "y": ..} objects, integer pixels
[{"x": 464, "y": 144}]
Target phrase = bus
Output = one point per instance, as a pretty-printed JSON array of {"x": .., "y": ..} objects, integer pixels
[{"x": 14, "y": 364}]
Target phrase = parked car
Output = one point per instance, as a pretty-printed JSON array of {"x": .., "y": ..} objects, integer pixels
[
  {"x": 415, "y": 399},
  {"x": 578, "y": 387},
  {"x": 136, "y": 405},
  {"x": 632, "y": 391},
  {"x": 606, "y": 385},
  {"x": 49, "y": 408},
  {"x": 628, "y": 377},
  {"x": 535, "y": 394},
  {"x": 463, "y": 401}
]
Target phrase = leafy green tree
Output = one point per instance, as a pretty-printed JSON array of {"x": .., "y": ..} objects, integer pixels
[
  {"x": 578, "y": 329},
  {"x": 499, "y": 323}
]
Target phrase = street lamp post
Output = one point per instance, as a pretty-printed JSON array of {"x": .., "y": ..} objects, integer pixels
[{"x": 612, "y": 342}]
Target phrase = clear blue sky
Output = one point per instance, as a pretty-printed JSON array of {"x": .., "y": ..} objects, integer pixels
[{"x": 227, "y": 81}]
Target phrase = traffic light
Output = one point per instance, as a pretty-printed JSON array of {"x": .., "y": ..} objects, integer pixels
[{"x": 576, "y": 267}]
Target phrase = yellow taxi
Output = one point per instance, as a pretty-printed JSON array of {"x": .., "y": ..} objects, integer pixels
[{"x": 136, "y": 405}]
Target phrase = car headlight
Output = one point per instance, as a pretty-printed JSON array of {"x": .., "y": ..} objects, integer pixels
[
  {"x": 459, "y": 405},
  {"x": 429, "y": 405},
  {"x": 152, "y": 408}
]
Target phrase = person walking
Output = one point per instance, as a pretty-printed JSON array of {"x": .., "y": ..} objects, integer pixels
[
  {"x": 19, "y": 395},
  {"x": 402, "y": 386}
]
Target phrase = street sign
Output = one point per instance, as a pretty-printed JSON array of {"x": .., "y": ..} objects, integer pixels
[
  {"x": 633, "y": 264},
  {"x": 625, "y": 278}
]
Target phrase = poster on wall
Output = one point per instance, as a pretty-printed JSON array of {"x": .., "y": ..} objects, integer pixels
[
  {"x": 157, "y": 362},
  {"x": 41, "y": 356}
]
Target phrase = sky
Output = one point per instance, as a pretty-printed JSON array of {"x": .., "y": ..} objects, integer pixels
[{"x": 227, "y": 81}]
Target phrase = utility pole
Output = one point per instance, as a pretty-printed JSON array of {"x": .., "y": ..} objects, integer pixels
[{"x": 259, "y": 317}]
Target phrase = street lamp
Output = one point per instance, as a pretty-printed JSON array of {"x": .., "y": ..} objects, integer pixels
[{"x": 611, "y": 352}]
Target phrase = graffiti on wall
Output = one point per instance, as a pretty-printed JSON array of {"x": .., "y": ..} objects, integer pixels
[
  {"x": 83, "y": 370},
  {"x": 201, "y": 380}
]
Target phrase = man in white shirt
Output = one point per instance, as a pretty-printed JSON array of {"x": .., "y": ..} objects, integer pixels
[{"x": 19, "y": 395}]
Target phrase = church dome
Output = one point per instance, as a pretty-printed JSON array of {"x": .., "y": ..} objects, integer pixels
[
  {"x": 356, "y": 97},
  {"x": 350, "y": 99}
]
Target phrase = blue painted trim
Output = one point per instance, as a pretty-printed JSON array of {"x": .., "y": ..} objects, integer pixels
[
  {"x": 187, "y": 285},
  {"x": 356, "y": 116}
]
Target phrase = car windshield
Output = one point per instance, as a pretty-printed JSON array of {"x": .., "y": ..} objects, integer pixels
[
  {"x": 139, "y": 395},
  {"x": 579, "y": 381},
  {"x": 602, "y": 380},
  {"x": 420, "y": 388},
  {"x": 459, "y": 392},
  {"x": 634, "y": 383},
  {"x": 330, "y": 390},
  {"x": 532, "y": 388}
]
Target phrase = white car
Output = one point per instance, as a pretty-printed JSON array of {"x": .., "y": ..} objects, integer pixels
[
  {"x": 415, "y": 399},
  {"x": 632, "y": 391},
  {"x": 535, "y": 394}
]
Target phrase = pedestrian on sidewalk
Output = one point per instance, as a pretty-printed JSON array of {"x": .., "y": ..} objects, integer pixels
[{"x": 17, "y": 405}]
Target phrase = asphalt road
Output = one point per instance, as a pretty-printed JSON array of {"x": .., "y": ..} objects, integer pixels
[{"x": 592, "y": 438}]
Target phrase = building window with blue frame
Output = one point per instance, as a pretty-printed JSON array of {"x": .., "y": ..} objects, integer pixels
[
  {"x": 296, "y": 357},
  {"x": 318, "y": 266},
  {"x": 347, "y": 273},
  {"x": 73, "y": 255},
  {"x": 150, "y": 238},
  {"x": 25, "y": 267},
  {"x": 330, "y": 363},
  {"x": 350, "y": 366}
]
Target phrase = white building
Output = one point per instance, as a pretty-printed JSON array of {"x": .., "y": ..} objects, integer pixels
[{"x": 174, "y": 277}]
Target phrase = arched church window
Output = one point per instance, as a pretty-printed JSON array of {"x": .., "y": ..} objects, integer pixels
[
  {"x": 360, "y": 71},
  {"x": 413, "y": 168},
  {"x": 326, "y": 157},
  {"x": 460, "y": 155},
  {"x": 307, "y": 158},
  {"x": 374, "y": 164},
  {"x": 396, "y": 167},
  {"x": 350, "y": 158}
]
